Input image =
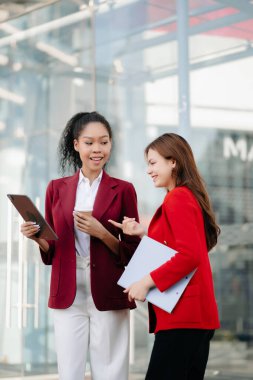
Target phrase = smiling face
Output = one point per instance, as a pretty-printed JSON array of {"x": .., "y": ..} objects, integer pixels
[
  {"x": 94, "y": 147},
  {"x": 160, "y": 170}
]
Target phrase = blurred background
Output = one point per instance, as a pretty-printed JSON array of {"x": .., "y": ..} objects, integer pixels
[{"x": 149, "y": 66}]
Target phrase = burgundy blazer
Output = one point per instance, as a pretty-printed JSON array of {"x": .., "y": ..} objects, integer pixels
[
  {"x": 179, "y": 223},
  {"x": 114, "y": 200}
]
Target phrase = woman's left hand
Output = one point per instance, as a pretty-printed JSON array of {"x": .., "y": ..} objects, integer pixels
[
  {"x": 138, "y": 290},
  {"x": 89, "y": 225}
]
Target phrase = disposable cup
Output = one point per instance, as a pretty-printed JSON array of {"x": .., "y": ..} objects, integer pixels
[{"x": 87, "y": 212}]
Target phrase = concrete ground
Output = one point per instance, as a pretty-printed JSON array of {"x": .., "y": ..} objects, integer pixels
[
  {"x": 210, "y": 375},
  {"x": 227, "y": 361}
]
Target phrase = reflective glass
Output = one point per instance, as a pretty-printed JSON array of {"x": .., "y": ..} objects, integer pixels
[
  {"x": 149, "y": 72},
  {"x": 139, "y": 88},
  {"x": 45, "y": 76}
]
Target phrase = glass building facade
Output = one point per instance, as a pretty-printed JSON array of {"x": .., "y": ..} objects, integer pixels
[{"x": 150, "y": 67}]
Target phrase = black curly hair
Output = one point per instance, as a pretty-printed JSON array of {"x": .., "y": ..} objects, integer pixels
[{"x": 68, "y": 157}]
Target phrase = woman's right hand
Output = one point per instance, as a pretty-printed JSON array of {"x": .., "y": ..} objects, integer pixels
[
  {"x": 129, "y": 226},
  {"x": 29, "y": 230}
]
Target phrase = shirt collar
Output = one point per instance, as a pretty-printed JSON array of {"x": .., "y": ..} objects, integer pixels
[{"x": 86, "y": 180}]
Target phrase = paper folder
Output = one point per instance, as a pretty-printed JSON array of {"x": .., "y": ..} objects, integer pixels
[{"x": 149, "y": 255}]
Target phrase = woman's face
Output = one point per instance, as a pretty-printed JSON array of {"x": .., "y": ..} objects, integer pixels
[
  {"x": 160, "y": 170},
  {"x": 94, "y": 147}
]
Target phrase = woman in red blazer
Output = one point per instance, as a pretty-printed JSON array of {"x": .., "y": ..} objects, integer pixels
[
  {"x": 89, "y": 257},
  {"x": 185, "y": 222}
]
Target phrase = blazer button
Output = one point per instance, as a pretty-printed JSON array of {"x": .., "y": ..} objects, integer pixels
[{"x": 93, "y": 265}]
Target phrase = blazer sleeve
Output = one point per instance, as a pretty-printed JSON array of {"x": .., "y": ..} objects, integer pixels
[
  {"x": 182, "y": 218},
  {"x": 128, "y": 244},
  {"x": 47, "y": 257}
]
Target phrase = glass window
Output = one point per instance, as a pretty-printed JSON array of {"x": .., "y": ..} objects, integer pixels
[
  {"x": 150, "y": 67},
  {"x": 46, "y": 66}
]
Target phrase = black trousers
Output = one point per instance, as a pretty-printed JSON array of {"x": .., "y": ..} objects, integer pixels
[{"x": 179, "y": 354}]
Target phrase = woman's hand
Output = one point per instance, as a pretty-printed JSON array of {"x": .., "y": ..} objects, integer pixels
[
  {"x": 130, "y": 227},
  {"x": 29, "y": 230},
  {"x": 138, "y": 290},
  {"x": 88, "y": 224}
]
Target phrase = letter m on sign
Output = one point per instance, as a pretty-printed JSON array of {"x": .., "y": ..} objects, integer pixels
[{"x": 235, "y": 149}]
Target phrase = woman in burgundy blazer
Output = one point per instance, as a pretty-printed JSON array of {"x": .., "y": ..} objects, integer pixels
[
  {"x": 91, "y": 311},
  {"x": 115, "y": 198},
  {"x": 186, "y": 223}
]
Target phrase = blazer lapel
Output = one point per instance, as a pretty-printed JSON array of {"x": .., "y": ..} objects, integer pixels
[
  {"x": 67, "y": 194},
  {"x": 156, "y": 215},
  {"x": 105, "y": 195}
]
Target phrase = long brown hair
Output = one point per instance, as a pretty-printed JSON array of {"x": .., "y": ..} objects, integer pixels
[{"x": 173, "y": 146}]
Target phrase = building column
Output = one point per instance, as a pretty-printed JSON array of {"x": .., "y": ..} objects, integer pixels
[{"x": 183, "y": 68}]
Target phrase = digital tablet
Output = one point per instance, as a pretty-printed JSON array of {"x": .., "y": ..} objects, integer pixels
[{"x": 30, "y": 213}]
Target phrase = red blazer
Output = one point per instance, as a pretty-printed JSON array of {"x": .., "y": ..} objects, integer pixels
[
  {"x": 115, "y": 199},
  {"x": 179, "y": 223}
]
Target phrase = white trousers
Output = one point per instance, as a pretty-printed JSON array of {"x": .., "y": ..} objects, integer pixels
[{"x": 82, "y": 327}]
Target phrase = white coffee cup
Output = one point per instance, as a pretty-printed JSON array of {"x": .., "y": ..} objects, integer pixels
[{"x": 85, "y": 212}]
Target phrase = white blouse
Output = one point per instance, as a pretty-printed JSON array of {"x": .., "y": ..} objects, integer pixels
[{"x": 85, "y": 198}]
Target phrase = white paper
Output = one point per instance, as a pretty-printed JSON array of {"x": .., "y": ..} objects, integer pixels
[{"x": 150, "y": 255}]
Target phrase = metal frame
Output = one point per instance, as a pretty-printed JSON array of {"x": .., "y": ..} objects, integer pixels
[
  {"x": 183, "y": 68},
  {"x": 197, "y": 29},
  {"x": 242, "y": 5}
]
